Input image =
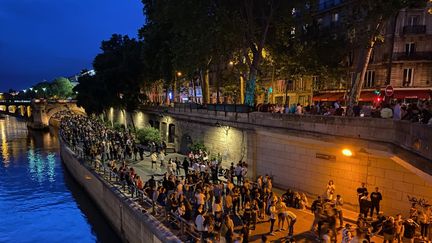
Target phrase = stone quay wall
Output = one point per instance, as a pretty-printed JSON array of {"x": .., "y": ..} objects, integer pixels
[
  {"x": 304, "y": 152},
  {"x": 124, "y": 215}
]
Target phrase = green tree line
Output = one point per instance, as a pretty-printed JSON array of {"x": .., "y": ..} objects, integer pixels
[{"x": 227, "y": 41}]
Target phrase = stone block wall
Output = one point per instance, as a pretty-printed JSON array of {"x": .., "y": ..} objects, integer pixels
[
  {"x": 124, "y": 215},
  {"x": 230, "y": 142},
  {"x": 293, "y": 163}
]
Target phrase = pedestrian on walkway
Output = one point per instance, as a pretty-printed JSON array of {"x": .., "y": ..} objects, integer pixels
[
  {"x": 330, "y": 191},
  {"x": 273, "y": 216},
  {"x": 376, "y": 198},
  {"x": 153, "y": 160},
  {"x": 347, "y": 234},
  {"x": 361, "y": 191},
  {"x": 162, "y": 159},
  {"x": 389, "y": 230},
  {"x": 365, "y": 205},
  {"x": 186, "y": 166},
  {"x": 338, "y": 206},
  {"x": 292, "y": 219}
]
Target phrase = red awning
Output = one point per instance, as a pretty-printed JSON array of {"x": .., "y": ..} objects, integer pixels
[
  {"x": 339, "y": 96},
  {"x": 367, "y": 96},
  {"x": 412, "y": 94},
  {"x": 328, "y": 97}
]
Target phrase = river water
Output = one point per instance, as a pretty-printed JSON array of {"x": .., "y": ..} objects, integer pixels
[{"x": 39, "y": 200}]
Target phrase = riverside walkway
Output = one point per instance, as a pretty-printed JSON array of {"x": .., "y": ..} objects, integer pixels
[{"x": 303, "y": 224}]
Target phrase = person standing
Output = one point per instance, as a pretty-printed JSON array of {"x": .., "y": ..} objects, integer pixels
[
  {"x": 292, "y": 218},
  {"x": 361, "y": 191},
  {"x": 398, "y": 228},
  {"x": 153, "y": 159},
  {"x": 162, "y": 158},
  {"x": 397, "y": 111},
  {"x": 376, "y": 198},
  {"x": 338, "y": 206},
  {"x": 186, "y": 166},
  {"x": 364, "y": 206},
  {"x": 409, "y": 230},
  {"x": 299, "y": 109},
  {"x": 423, "y": 219},
  {"x": 389, "y": 230},
  {"x": 347, "y": 234},
  {"x": 331, "y": 188},
  {"x": 273, "y": 216}
]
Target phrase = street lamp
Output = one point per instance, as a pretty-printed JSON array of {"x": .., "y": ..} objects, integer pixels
[
  {"x": 347, "y": 152},
  {"x": 31, "y": 89},
  {"x": 44, "y": 89},
  {"x": 24, "y": 90}
]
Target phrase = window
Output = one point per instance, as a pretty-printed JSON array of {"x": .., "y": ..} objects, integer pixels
[
  {"x": 369, "y": 79},
  {"x": 413, "y": 20},
  {"x": 171, "y": 133},
  {"x": 301, "y": 84},
  {"x": 351, "y": 58},
  {"x": 335, "y": 17},
  {"x": 290, "y": 85},
  {"x": 407, "y": 77},
  {"x": 315, "y": 82},
  {"x": 409, "y": 48}
]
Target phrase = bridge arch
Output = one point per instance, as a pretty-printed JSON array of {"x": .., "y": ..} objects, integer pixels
[{"x": 50, "y": 112}]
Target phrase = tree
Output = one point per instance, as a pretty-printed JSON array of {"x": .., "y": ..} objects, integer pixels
[
  {"x": 148, "y": 134},
  {"x": 119, "y": 67},
  {"x": 92, "y": 94},
  {"x": 61, "y": 88},
  {"x": 369, "y": 19}
]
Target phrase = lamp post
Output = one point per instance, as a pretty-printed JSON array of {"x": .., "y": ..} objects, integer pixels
[{"x": 174, "y": 92}]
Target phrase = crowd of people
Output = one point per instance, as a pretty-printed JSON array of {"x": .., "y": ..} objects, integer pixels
[
  {"x": 226, "y": 207},
  {"x": 414, "y": 112}
]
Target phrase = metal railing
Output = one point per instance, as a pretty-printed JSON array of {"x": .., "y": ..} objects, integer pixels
[
  {"x": 130, "y": 191},
  {"x": 414, "y": 29},
  {"x": 412, "y": 56}
]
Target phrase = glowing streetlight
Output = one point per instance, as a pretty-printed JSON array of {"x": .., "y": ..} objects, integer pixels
[
  {"x": 231, "y": 63},
  {"x": 347, "y": 152},
  {"x": 36, "y": 90},
  {"x": 44, "y": 89},
  {"x": 179, "y": 74},
  {"x": 31, "y": 89},
  {"x": 24, "y": 90}
]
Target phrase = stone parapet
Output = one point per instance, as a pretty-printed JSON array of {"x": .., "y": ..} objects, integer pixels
[
  {"x": 414, "y": 137},
  {"x": 125, "y": 216}
]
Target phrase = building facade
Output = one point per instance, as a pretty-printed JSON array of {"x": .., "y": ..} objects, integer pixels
[{"x": 403, "y": 60}]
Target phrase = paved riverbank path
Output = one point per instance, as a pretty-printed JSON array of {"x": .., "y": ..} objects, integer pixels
[{"x": 304, "y": 217}]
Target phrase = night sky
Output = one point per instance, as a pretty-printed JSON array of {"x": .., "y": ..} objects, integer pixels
[{"x": 44, "y": 39}]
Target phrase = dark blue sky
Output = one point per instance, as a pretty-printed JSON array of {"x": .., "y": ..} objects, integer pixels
[{"x": 44, "y": 39}]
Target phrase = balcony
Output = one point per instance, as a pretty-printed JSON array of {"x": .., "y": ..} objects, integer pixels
[
  {"x": 414, "y": 29},
  {"x": 416, "y": 56}
]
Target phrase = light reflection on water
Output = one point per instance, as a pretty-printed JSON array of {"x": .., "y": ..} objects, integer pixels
[{"x": 39, "y": 201}]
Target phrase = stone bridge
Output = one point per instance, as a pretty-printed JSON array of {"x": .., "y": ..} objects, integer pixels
[{"x": 38, "y": 112}]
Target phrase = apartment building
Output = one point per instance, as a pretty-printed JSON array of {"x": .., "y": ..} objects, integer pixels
[{"x": 405, "y": 55}]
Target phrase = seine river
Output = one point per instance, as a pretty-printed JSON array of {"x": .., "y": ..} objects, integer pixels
[{"x": 39, "y": 200}]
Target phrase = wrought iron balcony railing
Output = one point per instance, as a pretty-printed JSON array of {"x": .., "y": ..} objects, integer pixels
[{"x": 414, "y": 29}]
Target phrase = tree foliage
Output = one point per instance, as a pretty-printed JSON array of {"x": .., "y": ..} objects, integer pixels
[
  {"x": 118, "y": 79},
  {"x": 148, "y": 134}
]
